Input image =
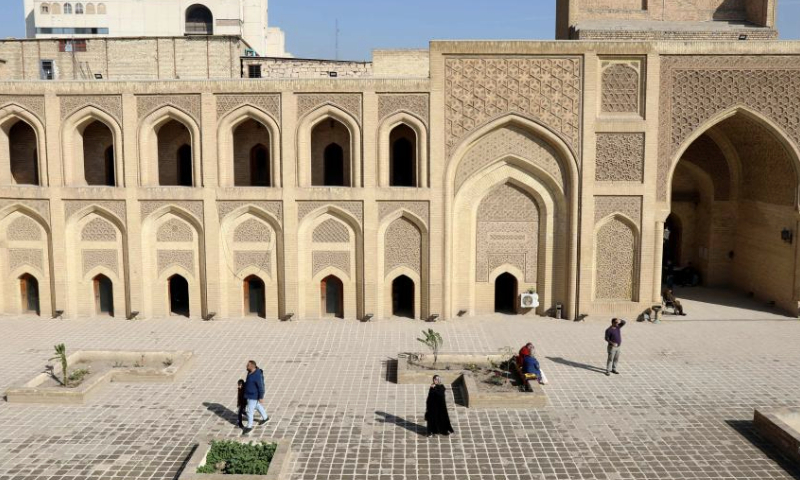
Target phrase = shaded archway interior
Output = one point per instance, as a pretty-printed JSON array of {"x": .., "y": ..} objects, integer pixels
[
  {"x": 199, "y": 20},
  {"x": 251, "y": 156},
  {"x": 332, "y": 297},
  {"x": 733, "y": 194},
  {"x": 505, "y": 294},
  {"x": 403, "y": 157},
  {"x": 23, "y": 154},
  {"x": 330, "y": 154},
  {"x": 174, "y": 155},
  {"x": 98, "y": 154},
  {"x": 255, "y": 297},
  {"x": 403, "y": 297},
  {"x": 104, "y": 295},
  {"x": 178, "y": 296}
]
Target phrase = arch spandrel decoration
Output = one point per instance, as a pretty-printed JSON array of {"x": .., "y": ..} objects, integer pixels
[{"x": 697, "y": 91}]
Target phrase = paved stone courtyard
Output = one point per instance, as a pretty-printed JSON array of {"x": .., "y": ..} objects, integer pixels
[{"x": 681, "y": 409}]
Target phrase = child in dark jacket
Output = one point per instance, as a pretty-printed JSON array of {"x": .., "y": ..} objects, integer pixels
[{"x": 241, "y": 403}]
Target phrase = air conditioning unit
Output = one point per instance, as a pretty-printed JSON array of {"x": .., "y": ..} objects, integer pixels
[{"x": 529, "y": 300}]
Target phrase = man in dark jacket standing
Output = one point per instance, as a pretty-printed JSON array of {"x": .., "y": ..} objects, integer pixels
[
  {"x": 254, "y": 394},
  {"x": 614, "y": 341}
]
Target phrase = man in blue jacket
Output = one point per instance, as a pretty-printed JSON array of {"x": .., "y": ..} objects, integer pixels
[{"x": 254, "y": 394}]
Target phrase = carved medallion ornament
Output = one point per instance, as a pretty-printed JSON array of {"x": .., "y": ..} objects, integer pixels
[
  {"x": 269, "y": 104},
  {"x": 621, "y": 85},
  {"x": 190, "y": 104},
  {"x": 349, "y": 102},
  {"x": 110, "y": 104},
  {"x": 620, "y": 157},
  {"x": 545, "y": 89},
  {"x": 696, "y": 88},
  {"x": 391, "y": 103},
  {"x": 32, "y": 103}
]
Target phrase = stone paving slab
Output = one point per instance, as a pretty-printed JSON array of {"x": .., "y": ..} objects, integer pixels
[{"x": 682, "y": 407}]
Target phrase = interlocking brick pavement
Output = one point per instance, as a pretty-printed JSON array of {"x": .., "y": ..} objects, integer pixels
[{"x": 681, "y": 409}]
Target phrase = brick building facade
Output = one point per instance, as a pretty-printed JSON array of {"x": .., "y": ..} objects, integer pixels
[{"x": 441, "y": 182}]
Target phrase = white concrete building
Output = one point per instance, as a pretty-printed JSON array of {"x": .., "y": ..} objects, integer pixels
[{"x": 156, "y": 18}]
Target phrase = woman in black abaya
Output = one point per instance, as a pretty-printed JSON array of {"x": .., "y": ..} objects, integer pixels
[{"x": 436, "y": 409}]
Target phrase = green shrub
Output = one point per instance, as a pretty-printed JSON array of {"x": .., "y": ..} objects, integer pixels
[
  {"x": 76, "y": 376},
  {"x": 234, "y": 458}
]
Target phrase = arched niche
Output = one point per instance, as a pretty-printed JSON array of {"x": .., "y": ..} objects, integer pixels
[
  {"x": 149, "y": 154},
  {"x": 305, "y": 157},
  {"x": 227, "y": 146},
  {"x": 420, "y": 146},
  {"x": 616, "y": 260},
  {"x": 404, "y": 249},
  {"x": 91, "y": 131},
  {"x": 23, "y": 154}
]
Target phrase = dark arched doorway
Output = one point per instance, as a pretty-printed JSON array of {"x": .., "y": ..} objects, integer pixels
[
  {"x": 199, "y": 20},
  {"x": 185, "y": 166},
  {"x": 255, "y": 297},
  {"x": 98, "y": 143},
  {"x": 505, "y": 294},
  {"x": 259, "y": 166},
  {"x": 402, "y": 169},
  {"x": 403, "y": 297},
  {"x": 178, "y": 296},
  {"x": 29, "y": 290},
  {"x": 333, "y": 166},
  {"x": 103, "y": 295},
  {"x": 672, "y": 240},
  {"x": 108, "y": 173},
  {"x": 23, "y": 154},
  {"x": 332, "y": 296}
]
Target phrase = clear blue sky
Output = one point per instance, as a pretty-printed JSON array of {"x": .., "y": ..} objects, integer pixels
[{"x": 368, "y": 24}]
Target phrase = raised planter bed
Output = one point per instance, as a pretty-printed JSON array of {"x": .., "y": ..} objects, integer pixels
[
  {"x": 104, "y": 366},
  {"x": 470, "y": 373},
  {"x": 781, "y": 426},
  {"x": 279, "y": 466}
]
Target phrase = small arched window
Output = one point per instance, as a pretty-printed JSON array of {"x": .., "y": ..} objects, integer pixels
[
  {"x": 101, "y": 8},
  {"x": 44, "y": 9},
  {"x": 90, "y": 9},
  {"x": 78, "y": 9},
  {"x": 67, "y": 8},
  {"x": 199, "y": 20}
]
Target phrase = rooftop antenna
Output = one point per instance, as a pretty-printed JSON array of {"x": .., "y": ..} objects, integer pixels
[{"x": 337, "y": 39}]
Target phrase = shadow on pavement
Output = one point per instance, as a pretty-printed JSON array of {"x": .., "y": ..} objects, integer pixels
[
  {"x": 412, "y": 427},
  {"x": 747, "y": 429},
  {"x": 222, "y": 412},
  {"x": 570, "y": 363}
]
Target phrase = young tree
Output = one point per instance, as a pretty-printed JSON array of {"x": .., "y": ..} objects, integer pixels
[
  {"x": 61, "y": 354},
  {"x": 433, "y": 341}
]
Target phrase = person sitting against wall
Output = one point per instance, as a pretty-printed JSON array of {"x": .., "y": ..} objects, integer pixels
[
  {"x": 669, "y": 297},
  {"x": 523, "y": 352}
]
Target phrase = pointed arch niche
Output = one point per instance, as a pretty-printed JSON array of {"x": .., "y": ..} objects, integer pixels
[
  {"x": 239, "y": 132},
  {"x": 509, "y": 187},
  {"x": 25, "y": 253},
  {"x": 91, "y": 142},
  {"x": 404, "y": 246},
  {"x": 616, "y": 260},
  {"x": 23, "y": 151},
  {"x": 252, "y": 247},
  {"x": 387, "y": 139},
  {"x": 313, "y": 138},
  {"x": 164, "y": 135}
]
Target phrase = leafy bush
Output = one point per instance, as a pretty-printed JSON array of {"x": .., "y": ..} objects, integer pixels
[
  {"x": 432, "y": 340},
  {"x": 234, "y": 458},
  {"x": 76, "y": 377}
]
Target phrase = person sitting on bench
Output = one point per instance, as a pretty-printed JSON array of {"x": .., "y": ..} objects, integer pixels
[
  {"x": 531, "y": 369},
  {"x": 670, "y": 299},
  {"x": 523, "y": 352}
]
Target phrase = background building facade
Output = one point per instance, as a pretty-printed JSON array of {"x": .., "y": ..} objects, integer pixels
[{"x": 439, "y": 182}]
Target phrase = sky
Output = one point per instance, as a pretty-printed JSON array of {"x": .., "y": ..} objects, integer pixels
[{"x": 372, "y": 24}]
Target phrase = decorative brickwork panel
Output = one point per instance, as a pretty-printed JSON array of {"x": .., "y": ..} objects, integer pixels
[
  {"x": 620, "y": 157},
  {"x": 259, "y": 259},
  {"x": 505, "y": 142},
  {"x": 508, "y": 225},
  {"x": 99, "y": 230},
  {"x": 416, "y": 104},
  {"x": 175, "y": 230},
  {"x": 193, "y": 207},
  {"x": 696, "y": 88},
  {"x": 323, "y": 259},
  {"x": 252, "y": 231},
  {"x": 621, "y": 85},
  {"x": 24, "y": 229},
  {"x": 269, "y": 104},
  {"x": 32, "y": 103},
  {"x": 18, "y": 257},
  {"x": 275, "y": 208},
  {"x": 115, "y": 207},
  {"x": 402, "y": 246},
  {"x": 42, "y": 207},
  {"x": 349, "y": 102},
  {"x": 355, "y": 208},
  {"x": 331, "y": 231},
  {"x": 545, "y": 89},
  {"x": 615, "y": 268},
  {"x": 100, "y": 258},
  {"x": 420, "y": 209},
  {"x": 110, "y": 104},
  {"x": 190, "y": 104},
  {"x": 181, "y": 258},
  {"x": 629, "y": 206}
]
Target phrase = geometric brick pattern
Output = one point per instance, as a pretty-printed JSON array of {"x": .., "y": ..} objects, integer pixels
[
  {"x": 615, "y": 262},
  {"x": 620, "y": 87},
  {"x": 620, "y": 157},
  {"x": 403, "y": 246},
  {"x": 331, "y": 231}
]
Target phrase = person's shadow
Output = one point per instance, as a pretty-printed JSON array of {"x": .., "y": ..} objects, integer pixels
[
  {"x": 412, "y": 427},
  {"x": 583, "y": 366},
  {"x": 222, "y": 412}
]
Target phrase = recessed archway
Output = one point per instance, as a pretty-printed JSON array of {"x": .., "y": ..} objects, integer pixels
[
  {"x": 254, "y": 297},
  {"x": 332, "y": 297},
  {"x": 98, "y": 154},
  {"x": 505, "y": 294},
  {"x": 29, "y": 294},
  {"x": 199, "y": 20},
  {"x": 178, "y": 296},
  {"x": 403, "y": 157},
  {"x": 403, "y": 297},
  {"x": 23, "y": 154},
  {"x": 103, "y": 295}
]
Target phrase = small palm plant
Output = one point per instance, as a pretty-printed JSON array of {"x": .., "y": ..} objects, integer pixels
[
  {"x": 61, "y": 354},
  {"x": 433, "y": 341}
]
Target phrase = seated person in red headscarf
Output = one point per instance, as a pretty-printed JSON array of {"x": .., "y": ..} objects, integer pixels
[{"x": 523, "y": 352}]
